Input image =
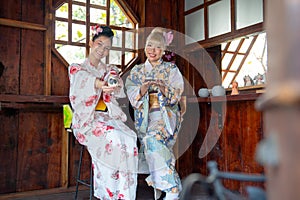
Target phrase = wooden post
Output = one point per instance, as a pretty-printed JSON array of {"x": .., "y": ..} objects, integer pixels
[
  {"x": 48, "y": 45},
  {"x": 65, "y": 159},
  {"x": 281, "y": 102}
]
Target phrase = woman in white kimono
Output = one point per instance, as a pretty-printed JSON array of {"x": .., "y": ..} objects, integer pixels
[
  {"x": 154, "y": 89},
  {"x": 99, "y": 124}
]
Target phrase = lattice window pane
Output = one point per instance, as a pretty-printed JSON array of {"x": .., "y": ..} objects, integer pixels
[
  {"x": 62, "y": 11},
  {"x": 117, "y": 41},
  {"x": 99, "y": 2},
  {"x": 78, "y": 13},
  {"x": 97, "y": 16},
  {"x": 61, "y": 31},
  {"x": 72, "y": 54},
  {"x": 128, "y": 57},
  {"x": 115, "y": 57},
  {"x": 129, "y": 39}
]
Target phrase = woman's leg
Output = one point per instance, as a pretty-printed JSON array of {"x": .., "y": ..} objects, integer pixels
[{"x": 163, "y": 175}]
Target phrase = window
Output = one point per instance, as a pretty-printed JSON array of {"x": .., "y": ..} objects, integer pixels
[
  {"x": 244, "y": 57},
  {"x": 206, "y": 20},
  {"x": 73, "y": 20},
  {"x": 215, "y": 22}
]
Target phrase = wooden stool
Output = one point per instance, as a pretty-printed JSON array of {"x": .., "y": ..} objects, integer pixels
[{"x": 68, "y": 115}]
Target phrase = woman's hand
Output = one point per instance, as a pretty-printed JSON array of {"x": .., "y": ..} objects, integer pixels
[
  {"x": 108, "y": 89},
  {"x": 144, "y": 88},
  {"x": 161, "y": 85},
  {"x": 156, "y": 83},
  {"x": 99, "y": 84}
]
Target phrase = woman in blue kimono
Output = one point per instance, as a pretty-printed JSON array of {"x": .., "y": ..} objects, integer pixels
[{"x": 154, "y": 90}]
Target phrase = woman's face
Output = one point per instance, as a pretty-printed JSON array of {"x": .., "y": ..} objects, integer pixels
[
  {"x": 100, "y": 47},
  {"x": 154, "y": 51}
]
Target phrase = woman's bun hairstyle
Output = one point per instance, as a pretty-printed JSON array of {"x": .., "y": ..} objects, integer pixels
[
  {"x": 99, "y": 30},
  {"x": 161, "y": 36}
]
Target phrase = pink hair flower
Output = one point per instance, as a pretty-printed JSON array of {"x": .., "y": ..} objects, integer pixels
[
  {"x": 96, "y": 29},
  {"x": 168, "y": 37}
]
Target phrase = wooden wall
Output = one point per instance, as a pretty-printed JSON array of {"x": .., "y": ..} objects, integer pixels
[
  {"x": 33, "y": 148},
  {"x": 31, "y": 123},
  {"x": 242, "y": 124},
  {"x": 236, "y": 147}
]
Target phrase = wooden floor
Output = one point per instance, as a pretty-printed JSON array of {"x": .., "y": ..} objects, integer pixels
[{"x": 143, "y": 193}]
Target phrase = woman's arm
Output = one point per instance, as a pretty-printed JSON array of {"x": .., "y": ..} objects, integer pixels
[
  {"x": 134, "y": 87},
  {"x": 175, "y": 87}
]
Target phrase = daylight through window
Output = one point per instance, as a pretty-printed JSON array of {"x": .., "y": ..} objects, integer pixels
[{"x": 73, "y": 20}]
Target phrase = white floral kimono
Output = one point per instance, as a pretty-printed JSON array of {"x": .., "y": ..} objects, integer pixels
[
  {"x": 111, "y": 144},
  {"x": 157, "y": 128}
]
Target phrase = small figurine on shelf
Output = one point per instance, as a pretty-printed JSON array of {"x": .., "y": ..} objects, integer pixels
[
  {"x": 235, "y": 86},
  {"x": 259, "y": 79},
  {"x": 248, "y": 81}
]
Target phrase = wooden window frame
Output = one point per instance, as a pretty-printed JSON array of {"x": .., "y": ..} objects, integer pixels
[{"x": 125, "y": 9}]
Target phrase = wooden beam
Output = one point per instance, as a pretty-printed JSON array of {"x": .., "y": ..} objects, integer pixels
[
  {"x": 65, "y": 159},
  {"x": 36, "y": 193},
  {"x": 210, "y": 42},
  {"x": 33, "y": 98},
  {"x": 48, "y": 45},
  {"x": 20, "y": 24},
  {"x": 281, "y": 102}
]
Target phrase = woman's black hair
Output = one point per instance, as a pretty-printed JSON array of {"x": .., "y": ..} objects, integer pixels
[{"x": 104, "y": 31}]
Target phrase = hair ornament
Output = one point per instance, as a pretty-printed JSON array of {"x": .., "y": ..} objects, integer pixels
[
  {"x": 168, "y": 37},
  {"x": 96, "y": 29}
]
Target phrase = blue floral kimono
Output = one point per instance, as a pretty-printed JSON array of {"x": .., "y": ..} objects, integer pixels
[{"x": 157, "y": 128}]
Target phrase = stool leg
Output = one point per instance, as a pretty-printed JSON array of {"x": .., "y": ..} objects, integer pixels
[
  {"x": 91, "y": 182},
  {"x": 78, "y": 171}
]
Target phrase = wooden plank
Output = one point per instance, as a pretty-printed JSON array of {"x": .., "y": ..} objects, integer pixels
[
  {"x": 11, "y": 9},
  {"x": 10, "y": 58},
  {"x": 240, "y": 97},
  {"x": 33, "y": 152},
  {"x": 8, "y": 150},
  {"x": 252, "y": 133},
  {"x": 201, "y": 164},
  {"x": 21, "y": 24},
  {"x": 32, "y": 70},
  {"x": 38, "y": 7},
  {"x": 65, "y": 158},
  {"x": 55, "y": 145},
  {"x": 233, "y": 137},
  {"x": 48, "y": 44},
  {"x": 33, "y": 98},
  {"x": 36, "y": 107},
  {"x": 59, "y": 76},
  {"x": 51, "y": 192},
  {"x": 39, "y": 151}
]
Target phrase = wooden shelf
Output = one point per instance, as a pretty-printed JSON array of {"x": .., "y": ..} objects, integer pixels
[
  {"x": 34, "y": 102},
  {"x": 240, "y": 97}
]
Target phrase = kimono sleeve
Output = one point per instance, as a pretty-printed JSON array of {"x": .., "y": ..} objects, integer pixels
[
  {"x": 83, "y": 97},
  {"x": 175, "y": 86},
  {"x": 133, "y": 84}
]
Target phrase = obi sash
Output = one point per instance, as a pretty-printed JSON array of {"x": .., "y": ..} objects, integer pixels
[{"x": 101, "y": 106}]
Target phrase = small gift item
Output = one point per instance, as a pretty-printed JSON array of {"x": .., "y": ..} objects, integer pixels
[
  {"x": 203, "y": 92},
  {"x": 248, "y": 81},
  {"x": 112, "y": 77},
  {"x": 259, "y": 79},
  {"x": 218, "y": 90},
  {"x": 235, "y": 90}
]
